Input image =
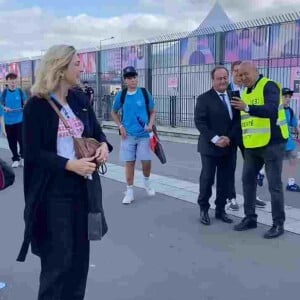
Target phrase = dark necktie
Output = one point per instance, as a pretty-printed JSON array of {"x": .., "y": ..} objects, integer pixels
[{"x": 225, "y": 104}]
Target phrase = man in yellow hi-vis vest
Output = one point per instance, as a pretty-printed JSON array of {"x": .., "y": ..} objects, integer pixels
[{"x": 264, "y": 130}]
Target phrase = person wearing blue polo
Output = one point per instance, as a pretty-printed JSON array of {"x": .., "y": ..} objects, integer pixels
[
  {"x": 12, "y": 100},
  {"x": 138, "y": 116},
  {"x": 290, "y": 153}
]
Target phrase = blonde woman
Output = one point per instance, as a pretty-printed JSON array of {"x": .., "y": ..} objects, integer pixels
[{"x": 55, "y": 184}]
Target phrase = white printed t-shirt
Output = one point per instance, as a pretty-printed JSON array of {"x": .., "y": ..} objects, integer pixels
[{"x": 65, "y": 144}]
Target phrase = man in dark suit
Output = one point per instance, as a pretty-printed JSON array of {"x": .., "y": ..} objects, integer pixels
[{"x": 218, "y": 124}]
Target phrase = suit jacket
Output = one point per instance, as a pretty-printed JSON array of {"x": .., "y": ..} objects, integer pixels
[{"x": 211, "y": 119}]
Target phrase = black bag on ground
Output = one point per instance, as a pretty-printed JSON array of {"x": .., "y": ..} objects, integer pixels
[{"x": 7, "y": 175}]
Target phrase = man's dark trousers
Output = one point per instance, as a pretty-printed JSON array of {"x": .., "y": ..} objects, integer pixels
[
  {"x": 14, "y": 137},
  {"x": 272, "y": 157},
  {"x": 223, "y": 165}
]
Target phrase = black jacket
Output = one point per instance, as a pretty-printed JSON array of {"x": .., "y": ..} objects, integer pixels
[
  {"x": 41, "y": 162},
  {"x": 211, "y": 119}
]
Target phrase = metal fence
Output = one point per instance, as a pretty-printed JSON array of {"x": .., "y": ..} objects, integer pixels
[{"x": 175, "y": 68}]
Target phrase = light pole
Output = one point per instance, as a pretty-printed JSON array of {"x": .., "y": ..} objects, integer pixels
[
  {"x": 106, "y": 39},
  {"x": 99, "y": 108}
]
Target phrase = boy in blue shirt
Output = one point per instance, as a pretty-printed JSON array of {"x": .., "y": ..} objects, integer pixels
[
  {"x": 290, "y": 147},
  {"x": 134, "y": 129},
  {"x": 12, "y": 100}
]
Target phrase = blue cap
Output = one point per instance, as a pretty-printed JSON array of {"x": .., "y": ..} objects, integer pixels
[{"x": 129, "y": 71}]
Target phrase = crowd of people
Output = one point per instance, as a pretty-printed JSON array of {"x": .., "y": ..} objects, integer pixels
[{"x": 250, "y": 113}]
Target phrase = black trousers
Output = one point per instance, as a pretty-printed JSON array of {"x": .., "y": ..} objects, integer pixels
[
  {"x": 223, "y": 165},
  {"x": 231, "y": 184},
  {"x": 65, "y": 249},
  {"x": 14, "y": 137},
  {"x": 272, "y": 157}
]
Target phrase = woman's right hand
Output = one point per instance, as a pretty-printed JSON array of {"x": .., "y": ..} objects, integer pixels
[{"x": 83, "y": 167}]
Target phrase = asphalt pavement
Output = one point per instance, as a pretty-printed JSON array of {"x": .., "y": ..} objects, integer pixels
[{"x": 156, "y": 248}]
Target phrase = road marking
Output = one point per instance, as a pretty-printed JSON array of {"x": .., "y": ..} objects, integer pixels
[{"x": 188, "y": 191}]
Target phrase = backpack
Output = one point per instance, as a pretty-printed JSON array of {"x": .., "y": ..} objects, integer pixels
[
  {"x": 7, "y": 175},
  {"x": 20, "y": 92},
  {"x": 146, "y": 97}
]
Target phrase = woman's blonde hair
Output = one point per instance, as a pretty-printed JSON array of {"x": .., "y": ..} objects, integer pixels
[{"x": 51, "y": 69}]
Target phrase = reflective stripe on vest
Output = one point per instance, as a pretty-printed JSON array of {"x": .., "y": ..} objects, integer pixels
[{"x": 252, "y": 131}]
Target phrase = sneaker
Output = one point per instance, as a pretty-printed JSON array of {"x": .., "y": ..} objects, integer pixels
[
  {"x": 259, "y": 202},
  {"x": 260, "y": 179},
  {"x": 2, "y": 285},
  {"x": 150, "y": 191},
  {"x": 233, "y": 205},
  {"x": 128, "y": 198},
  {"x": 293, "y": 188},
  {"x": 15, "y": 164},
  {"x": 21, "y": 162}
]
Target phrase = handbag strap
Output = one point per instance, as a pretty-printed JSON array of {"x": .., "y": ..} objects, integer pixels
[{"x": 61, "y": 117}]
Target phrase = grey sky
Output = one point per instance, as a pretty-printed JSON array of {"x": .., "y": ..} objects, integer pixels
[{"x": 36, "y": 29}]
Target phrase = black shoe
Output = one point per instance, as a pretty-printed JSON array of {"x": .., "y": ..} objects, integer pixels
[
  {"x": 245, "y": 224},
  {"x": 223, "y": 217},
  {"x": 204, "y": 217},
  {"x": 274, "y": 232}
]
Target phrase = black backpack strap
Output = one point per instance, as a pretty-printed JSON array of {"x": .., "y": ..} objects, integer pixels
[
  {"x": 122, "y": 100},
  {"x": 4, "y": 96},
  {"x": 123, "y": 96},
  {"x": 147, "y": 100}
]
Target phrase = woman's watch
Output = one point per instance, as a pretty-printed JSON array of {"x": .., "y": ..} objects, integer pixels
[{"x": 120, "y": 126}]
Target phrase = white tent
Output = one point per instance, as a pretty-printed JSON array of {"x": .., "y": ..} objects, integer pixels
[{"x": 216, "y": 18}]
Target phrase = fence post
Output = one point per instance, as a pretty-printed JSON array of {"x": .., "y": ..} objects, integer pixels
[
  {"x": 173, "y": 111},
  {"x": 220, "y": 42}
]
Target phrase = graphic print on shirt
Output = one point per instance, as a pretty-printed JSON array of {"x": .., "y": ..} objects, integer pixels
[
  {"x": 76, "y": 128},
  {"x": 65, "y": 144}
]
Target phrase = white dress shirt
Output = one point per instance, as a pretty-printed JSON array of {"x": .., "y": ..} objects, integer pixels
[{"x": 227, "y": 102}]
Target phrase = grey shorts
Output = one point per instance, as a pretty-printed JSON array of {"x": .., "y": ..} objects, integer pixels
[
  {"x": 289, "y": 155},
  {"x": 134, "y": 148}
]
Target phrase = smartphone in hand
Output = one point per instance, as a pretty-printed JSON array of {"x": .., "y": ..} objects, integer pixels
[{"x": 235, "y": 94}]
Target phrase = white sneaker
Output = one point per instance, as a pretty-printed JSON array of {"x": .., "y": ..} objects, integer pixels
[
  {"x": 150, "y": 191},
  {"x": 21, "y": 162},
  {"x": 15, "y": 164},
  {"x": 128, "y": 198}
]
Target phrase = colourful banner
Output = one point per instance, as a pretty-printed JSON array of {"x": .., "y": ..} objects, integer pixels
[
  {"x": 197, "y": 50},
  {"x": 246, "y": 44},
  {"x": 14, "y": 68},
  {"x": 26, "y": 69},
  {"x": 134, "y": 56},
  {"x": 285, "y": 40},
  {"x": 88, "y": 62},
  {"x": 3, "y": 70},
  {"x": 111, "y": 65},
  {"x": 36, "y": 64}
]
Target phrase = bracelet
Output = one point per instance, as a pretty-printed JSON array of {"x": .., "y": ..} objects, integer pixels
[{"x": 120, "y": 126}]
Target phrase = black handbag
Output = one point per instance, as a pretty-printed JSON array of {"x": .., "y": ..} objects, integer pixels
[{"x": 7, "y": 175}]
